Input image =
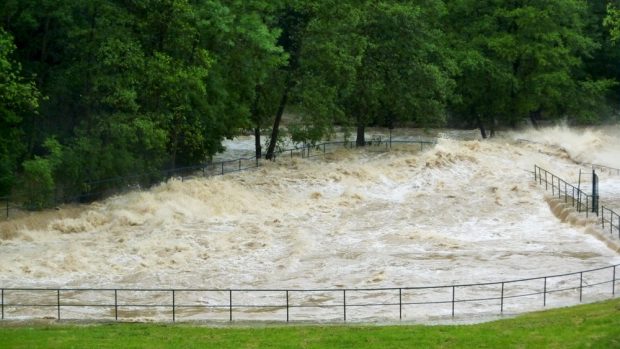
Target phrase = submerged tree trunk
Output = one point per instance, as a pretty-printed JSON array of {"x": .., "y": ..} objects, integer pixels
[
  {"x": 257, "y": 142},
  {"x": 534, "y": 116},
  {"x": 360, "y": 141},
  {"x": 276, "y": 125},
  {"x": 483, "y": 131}
]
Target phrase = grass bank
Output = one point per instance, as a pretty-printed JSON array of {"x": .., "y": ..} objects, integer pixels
[{"x": 587, "y": 326}]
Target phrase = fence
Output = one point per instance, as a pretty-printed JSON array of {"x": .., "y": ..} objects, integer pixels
[
  {"x": 289, "y": 305},
  {"x": 110, "y": 186},
  {"x": 562, "y": 189},
  {"x": 603, "y": 168},
  {"x": 609, "y": 219}
]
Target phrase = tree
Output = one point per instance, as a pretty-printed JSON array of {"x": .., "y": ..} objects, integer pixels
[
  {"x": 18, "y": 99},
  {"x": 405, "y": 71},
  {"x": 521, "y": 59},
  {"x": 242, "y": 86}
]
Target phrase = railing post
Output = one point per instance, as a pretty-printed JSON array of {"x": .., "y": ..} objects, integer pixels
[
  {"x": 535, "y": 176},
  {"x": 344, "y": 304},
  {"x": 613, "y": 284},
  {"x": 3, "y": 302},
  {"x": 587, "y": 206},
  {"x": 400, "y": 303},
  {"x": 545, "y": 292},
  {"x": 580, "y": 286},
  {"x": 230, "y": 305},
  {"x": 546, "y": 182},
  {"x": 174, "y": 317},
  {"x": 502, "y": 300},
  {"x": 58, "y": 299},
  {"x": 222, "y": 168},
  {"x": 603, "y": 218},
  {"x": 116, "y": 305},
  {"x": 453, "y": 298},
  {"x": 553, "y": 185},
  {"x": 287, "y": 307},
  {"x": 565, "y": 193}
]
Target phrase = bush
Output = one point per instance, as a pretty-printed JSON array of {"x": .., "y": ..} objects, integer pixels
[{"x": 38, "y": 178}]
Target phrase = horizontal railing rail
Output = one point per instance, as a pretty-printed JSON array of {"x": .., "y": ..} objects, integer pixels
[
  {"x": 277, "y": 304},
  {"x": 116, "y": 185}
]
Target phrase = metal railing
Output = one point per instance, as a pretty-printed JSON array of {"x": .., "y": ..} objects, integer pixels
[
  {"x": 110, "y": 186},
  {"x": 7, "y": 205},
  {"x": 609, "y": 219},
  {"x": 288, "y": 305},
  {"x": 560, "y": 188},
  {"x": 604, "y": 168}
]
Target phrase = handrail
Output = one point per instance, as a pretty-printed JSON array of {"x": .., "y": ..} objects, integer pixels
[
  {"x": 577, "y": 196},
  {"x": 60, "y": 300}
]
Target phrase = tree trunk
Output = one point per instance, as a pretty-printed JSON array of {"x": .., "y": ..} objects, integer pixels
[
  {"x": 276, "y": 125},
  {"x": 360, "y": 141},
  {"x": 483, "y": 131},
  {"x": 534, "y": 115},
  {"x": 257, "y": 145}
]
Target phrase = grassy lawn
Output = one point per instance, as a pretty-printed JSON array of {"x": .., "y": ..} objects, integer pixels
[{"x": 587, "y": 326}]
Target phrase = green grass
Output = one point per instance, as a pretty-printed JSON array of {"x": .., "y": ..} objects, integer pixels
[{"x": 587, "y": 326}]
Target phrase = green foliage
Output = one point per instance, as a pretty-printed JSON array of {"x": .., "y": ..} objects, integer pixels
[
  {"x": 612, "y": 21},
  {"x": 38, "y": 177},
  {"x": 522, "y": 59},
  {"x": 18, "y": 98},
  {"x": 117, "y": 147},
  {"x": 405, "y": 71},
  {"x": 183, "y": 75}
]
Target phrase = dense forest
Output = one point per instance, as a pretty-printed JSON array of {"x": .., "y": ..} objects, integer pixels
[{"x": 94, "y": 89}]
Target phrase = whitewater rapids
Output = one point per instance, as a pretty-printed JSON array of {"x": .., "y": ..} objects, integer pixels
[{"x": 459, "y": 212}]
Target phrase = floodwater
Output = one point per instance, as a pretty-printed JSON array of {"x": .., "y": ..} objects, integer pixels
[{"x": 464, "y": 211}]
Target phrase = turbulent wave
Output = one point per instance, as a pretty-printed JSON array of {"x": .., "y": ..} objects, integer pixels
[{"x": 583, "y": 145}]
